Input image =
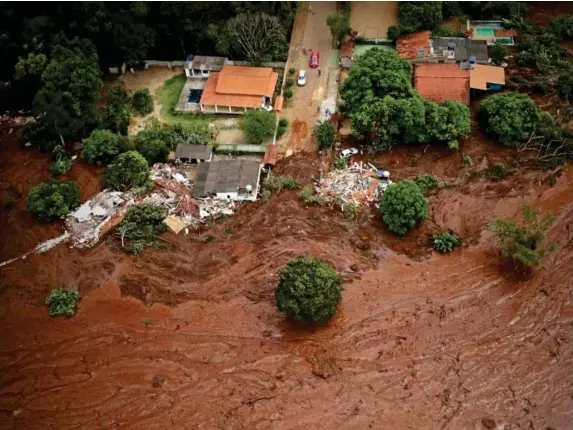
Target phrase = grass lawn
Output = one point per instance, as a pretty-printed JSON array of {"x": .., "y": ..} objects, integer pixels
[{"x": 167, "y": 97}]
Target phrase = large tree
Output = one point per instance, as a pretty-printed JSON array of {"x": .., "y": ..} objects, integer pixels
[{"x": 257, "y": 37}]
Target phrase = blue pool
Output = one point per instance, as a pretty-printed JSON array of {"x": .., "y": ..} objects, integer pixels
[{"x": 194, "y": 96}]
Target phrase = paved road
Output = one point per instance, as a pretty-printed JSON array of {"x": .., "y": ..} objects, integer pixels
[{"x": 311, "y": 32}]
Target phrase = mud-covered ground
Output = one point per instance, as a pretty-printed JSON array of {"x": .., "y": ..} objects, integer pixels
[{"x": 421, "y": 341}]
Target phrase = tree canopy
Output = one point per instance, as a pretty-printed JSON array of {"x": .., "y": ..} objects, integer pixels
[
  {"x": 53, "y": 200},
  {"x": 324, "y": 133},
  {"x": 402, "y": 206},
  {"x": 129, "y": 170},
  {"x": 117, "y": 112},
  {"x": 258, "y": 125},
  {"x": 309, "y": 290},
  {"x": 101, "y": 147},
  {"x": 339, "y": 24},
  {"x": 142, "y": 102}
]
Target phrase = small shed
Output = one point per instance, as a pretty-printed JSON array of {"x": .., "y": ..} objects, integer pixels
[
  {"x": 201, "y": 66},
  {"x": 193, "y": 153}
]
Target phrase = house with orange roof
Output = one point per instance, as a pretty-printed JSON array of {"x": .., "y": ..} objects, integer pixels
[
  {"x": 237, "y": 88},
  {"x": 441, "y": 82}
]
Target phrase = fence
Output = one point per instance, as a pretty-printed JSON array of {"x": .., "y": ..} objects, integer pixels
[
  {"x": 240, "y": 149},
  {"x": 274, "y": 65}
]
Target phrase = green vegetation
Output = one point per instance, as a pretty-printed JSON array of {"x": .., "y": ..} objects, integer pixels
[
  {"x": 142, "y": 224},
  {"x": 339, "y": 24},
  {"x": 53, "y": 200},
  {"x": 498, "y": 53},
  {"x": 308, "y": 198},
  {"x": 167, "y": 98},
  {"x": 385, "y": 110},
  {"x": 445, "y": 241},
  {"x": 282, "y": 128},
  {"x": 324, "y": 134},
  {"x": 62, "y": 162},
  {"x": 288, "y": 93},
  {"x": 426, "y": 183},
  {"x": 101, "y": 147},
  {"x": 153, "y": 148},
  {"x": 524, "y": 243},
  {"x": 289, "y": 82},
  {"x": 309, "y": 290},
  {"x": 148, "y": 322},
  {"x": 117, "y": 112},
  {"x": 416, "y": 16},
  {"x": 339, "y": 163},
  {"x": 467, "y": 161},
  {"x": 258, "y": 125},
  {"x": 497, "y": 172},
  {"x": 291, "y": 71},
  {"x": 128, "y": 170},
  {"x": 63, "y": 302},
  {"x": 402, "y": 206},
  {"x": 142, "y": 102},
  {"x": 349, "y": 211},
  {"x": 276, "y": 183}
]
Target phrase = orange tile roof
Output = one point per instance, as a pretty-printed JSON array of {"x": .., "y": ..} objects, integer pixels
[
  {"x": 279, "y": 103},
  {"x": 271, "y": 155},
  {"x": 211, "y": 98},
  {"x": 251, "y": 81},
  {"x": 408, "y": 45},
  {"x": 481, "y": 75},
  {"x": 441, "y": 82}
]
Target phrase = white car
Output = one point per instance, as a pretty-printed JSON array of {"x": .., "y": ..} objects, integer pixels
[
  {"x": 347, "y": 153},
  {"x": 301, "y": 80}
]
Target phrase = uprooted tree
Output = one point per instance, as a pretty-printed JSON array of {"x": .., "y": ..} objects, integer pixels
[
  {"x": 524, "y": 243},
  {"x": 142, "y": 224},
  {"x": 309, "y": 290},
  {"x": 53, "y": 200},
  {"x": 128, "y": 170},
  {"x": 402, "y": 206}
]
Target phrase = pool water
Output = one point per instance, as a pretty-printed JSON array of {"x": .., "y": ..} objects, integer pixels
[
  {"x": 485, "y": 31},
  {"x": 194, "y": 96},
  {"x": 504, "y": 40}
]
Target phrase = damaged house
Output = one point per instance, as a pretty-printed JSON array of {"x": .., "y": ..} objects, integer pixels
[{"x": 235, "y": 180}]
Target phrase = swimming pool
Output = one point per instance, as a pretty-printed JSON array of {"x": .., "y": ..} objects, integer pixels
[
  {"x": 194, "y": 96},
  {"x": 485, "y": 31}
]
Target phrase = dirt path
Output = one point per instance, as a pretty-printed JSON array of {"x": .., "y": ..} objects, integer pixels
[
  {"x": 372, "y": 19},
  {"x": 421, "y": 341}
]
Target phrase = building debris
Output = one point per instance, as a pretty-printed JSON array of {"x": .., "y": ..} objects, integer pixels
[
  {"x": 215, "y": 208},
  {"x": 16, "y": 120},
  {"x": 358, "y": 184}
]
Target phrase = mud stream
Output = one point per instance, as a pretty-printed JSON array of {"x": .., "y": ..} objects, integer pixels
[{"x": 422, "y": 340}]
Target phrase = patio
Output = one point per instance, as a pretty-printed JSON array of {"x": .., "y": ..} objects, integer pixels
[{"x": 190, "y": 95}]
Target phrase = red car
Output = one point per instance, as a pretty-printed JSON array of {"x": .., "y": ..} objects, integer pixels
[{"x": 314, "y": 59}]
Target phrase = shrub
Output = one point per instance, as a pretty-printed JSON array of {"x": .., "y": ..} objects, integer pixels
[
  {"x": 281, "y": 131},
  {"x": 339, "y": 163},
  {"x": 339, "y": 24},
  {"x": 349, "y": 211},
  {"x": 288, "y": 93},
  {"x": 403, "y": 204},
  {"x": 324, "y": 133},
  {"x": 127, "y": 171},
  {"x": 101, "y": 147},
  {"x": 283, "y": 122},
  {"x": 291, "y": 71},
  {"x": 276, "y": 183},
  {"x": 141, "y": 226},
  {"x": 524, "y": 243},
  {"x": 53, "y": 200},
  {"x": 63, "y": 302},
  {"x": 154, "y": 150},
  {"x": 498, "y": 53},
  {"x": 467, "y": 161},
  {"x": 497, "y": 172},
  {"x": 509, "y": 117},
  {"x": 426, "y": 183},
  {"x": 61, "y": 166},
  {"x": 445, "y": 241},
  {"x": 142, "y": 102},
  {"x": 309, "y": 290},
  {"x": 258, "y": 125},
  {"x": 307, "y": 197},
  {"x": 117, "y": 111},
  {"x": 289, "y": 82}
]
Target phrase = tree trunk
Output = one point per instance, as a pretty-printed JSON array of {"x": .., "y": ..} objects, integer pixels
[{"x": 183, "y": 47}]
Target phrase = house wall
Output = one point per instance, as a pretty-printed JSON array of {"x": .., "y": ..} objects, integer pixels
[{"x": 236, "y": 196}]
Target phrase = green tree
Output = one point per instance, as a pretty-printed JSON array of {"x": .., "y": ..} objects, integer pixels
[
  {"x": 101, "y": 147},
  {"x": 142, "y": 102},
  {"x": 444, "y": 241},
  {"x": 402, "y": 206},
  {"x": 509, "y": 117},
  {"x": 309, "y": 290},
  {"x": 378, "y": 73},
  {"x": 339, "y": 25},
  {"x": 524, "y": 243},
  {"x": 53, "y": 200},
  {"x": 426, "y": 182},
  {"x": 324, "y": 134},
  {"x": 258, "y": 125},
  {"x": 31, "y": 66},
  {"x": 128, "y": 170},
  {"x": 447, "y": 122},
  {"x": 117, "y": 111},
  {"x": 420, "y": 15},
  {"x": 498, "y": 53},
  {"x": 153, "y": 150},
  {"x": 141, "y": 226},
  {"x": 63, "y": 302}
]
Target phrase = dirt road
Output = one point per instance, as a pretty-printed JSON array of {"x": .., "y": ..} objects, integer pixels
[{"x": 311, "y": 32}]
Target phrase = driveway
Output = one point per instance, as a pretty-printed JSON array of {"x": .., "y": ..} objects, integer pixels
[{"x": 311, "y": 32}]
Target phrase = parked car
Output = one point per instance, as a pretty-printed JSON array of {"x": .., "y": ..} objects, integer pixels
[
  {"x": 347, "y": 153},
  {"x": 301, "y": 80},
  {"x": 314, "y": 57}
]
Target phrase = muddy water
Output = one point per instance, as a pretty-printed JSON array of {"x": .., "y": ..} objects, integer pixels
[{"x": 421, "y": 340}]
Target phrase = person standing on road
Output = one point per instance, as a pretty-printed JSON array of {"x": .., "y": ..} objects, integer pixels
[{"x": 319, "y": 71}]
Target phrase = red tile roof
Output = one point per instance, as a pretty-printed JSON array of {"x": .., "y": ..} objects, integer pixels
[
  {"x": 441, "y": 82},
  {"x": 408, "y": 45},
  {"x": 271, "y": 155}
]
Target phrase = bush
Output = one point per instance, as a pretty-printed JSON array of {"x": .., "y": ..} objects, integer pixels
[
  {"x": 324, "y": 133},
  {"x": 117, "y": 112},
  {"x": 283, "y": 122},
  {"x": 524, "y": 243},
  {"x": 127, "y": 171},
  {"x": 61, "y": 166},
  {"x": 141, "y": 226},
  {"x": 101, "y": 147},
  {"x": 307, "y": 197},
  {"x": 426, "y": 183},
  {"x": 498, "y": 53},
  {"x": 339, "y": 163},
  {"x": 63, "y": 302},
  {"x": 288, "y": 93},
  {"x": 349, "y": 211},
  {"x": 467, "y": 161},
  {"x": 142, "y": 102},
  {"x": 281, "y": 131},
  {"x": 37, "y": 133},
  {"x": 309, "y": 290},
  {"x": 153, "y": 149},
  {"x": 497, "y": 172},
  {"x": 289, "y": 82},
  {"x": 509, "y": 117},
  {"x": 258, "y": 125},
  {"x": 291, "y": 71},
  {"x": 53, "y": 200},
  {"x": 445, "y": 241},
  {"x": 403, "y": 204},
  {"x": 339, "y": 24},
  {"x": 276, "y": 183}
]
